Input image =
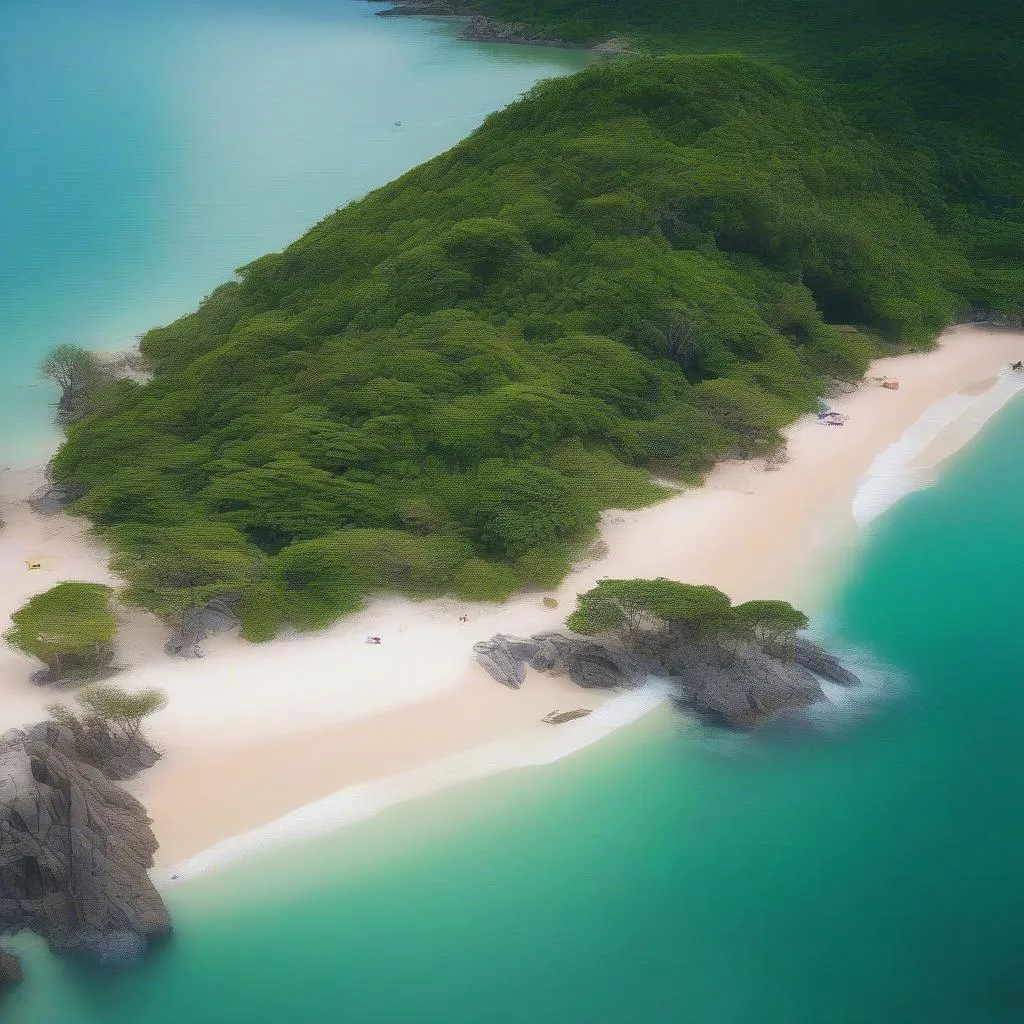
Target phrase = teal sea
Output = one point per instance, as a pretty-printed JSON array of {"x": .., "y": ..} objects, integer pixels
[
  {"x": 867, "y": 873},
  {"x": 869, "y": 870}
]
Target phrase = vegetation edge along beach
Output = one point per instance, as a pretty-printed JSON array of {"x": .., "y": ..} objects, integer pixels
[{"x": 616, "y": 283}]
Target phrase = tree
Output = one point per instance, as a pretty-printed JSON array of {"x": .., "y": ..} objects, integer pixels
[
  {"x": 107, "y": 730},
  {"x": 71, "y": 627},
  {"x": 637, "y": 612},
  {"x": 121, "y": 709},
  {"x": 774, "y": 624},
  {"x": 75, "y": 370}
]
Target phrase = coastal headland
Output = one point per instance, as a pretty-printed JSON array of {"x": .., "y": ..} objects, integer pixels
[{"x": 263, "y": 730}]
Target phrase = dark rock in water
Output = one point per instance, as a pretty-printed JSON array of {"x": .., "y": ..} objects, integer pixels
[
  {"x": 75, "y": 850},
  {"x": 821, "y": 662},
  {"x": 10, "y": 969},
  {"x": 739, "y": 688},
  {"x": 197, "y": 622}
]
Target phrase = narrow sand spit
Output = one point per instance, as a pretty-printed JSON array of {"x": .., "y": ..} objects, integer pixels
[{"x": 251, "y": 733}]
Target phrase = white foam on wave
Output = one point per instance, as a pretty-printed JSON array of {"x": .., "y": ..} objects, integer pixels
[
  {"x": 893, "y": 475},
  {"x": 360, "y": 802}
]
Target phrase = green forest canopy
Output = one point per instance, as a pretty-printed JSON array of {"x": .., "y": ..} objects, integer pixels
[
  {"x": 647, "y": 266},
  {"x": 637, "y": 613}
]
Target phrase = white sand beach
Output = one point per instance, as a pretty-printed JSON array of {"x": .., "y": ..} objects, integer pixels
[{"x": 253, "y": 732}]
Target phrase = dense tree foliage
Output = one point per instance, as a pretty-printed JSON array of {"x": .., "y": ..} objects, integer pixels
[
  {"x": 638, "y": 613},
  {"x": 645, "y": 267},
  {"x": 70, "y": 627}
]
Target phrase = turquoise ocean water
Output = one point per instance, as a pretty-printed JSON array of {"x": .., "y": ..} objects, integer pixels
[
  {"x": 871, "y": 874},
  {"x": 147, "y": 150},
  {"x": 867, "y": 873}
]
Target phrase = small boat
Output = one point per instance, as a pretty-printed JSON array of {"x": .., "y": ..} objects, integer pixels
[
  {"x": 892, "y": 385},
  {"x": 558, "y": 717}
]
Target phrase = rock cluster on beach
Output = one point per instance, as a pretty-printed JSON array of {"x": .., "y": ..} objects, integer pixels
[
  {"x": 75, "y": 850},
  {"x": 591, "y": 663},
  {"x": 197, "y": 622},
  {"x": 739, "y": 688}
]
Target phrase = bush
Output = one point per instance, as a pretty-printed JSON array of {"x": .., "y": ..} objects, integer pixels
[{"x": 70, "y": 627}]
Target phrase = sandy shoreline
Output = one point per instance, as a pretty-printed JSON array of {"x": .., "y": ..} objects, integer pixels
[{"x": 259, "y": 732}]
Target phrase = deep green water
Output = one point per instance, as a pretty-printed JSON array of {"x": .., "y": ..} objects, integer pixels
[
  {"x": 148, "y": 149},
  {"x": 871, "y": 874}
]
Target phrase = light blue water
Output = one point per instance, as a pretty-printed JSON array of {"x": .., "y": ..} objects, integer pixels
[{"x": 147, "y": 150}]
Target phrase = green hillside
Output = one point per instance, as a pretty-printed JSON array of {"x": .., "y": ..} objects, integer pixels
[{"x": 645, "y": 267}]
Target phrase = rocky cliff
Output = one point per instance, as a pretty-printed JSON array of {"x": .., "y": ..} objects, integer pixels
[
  {"x": 75, "y": 850},
  {"x": 739, "y": 687}
]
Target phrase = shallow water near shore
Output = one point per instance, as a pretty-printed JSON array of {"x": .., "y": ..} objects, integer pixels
[
  {"x": 873, "y": 871},
  {"x": 144, "y": 157}
]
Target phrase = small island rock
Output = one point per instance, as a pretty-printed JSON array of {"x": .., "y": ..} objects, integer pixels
[{"x": 75, "y": 850}]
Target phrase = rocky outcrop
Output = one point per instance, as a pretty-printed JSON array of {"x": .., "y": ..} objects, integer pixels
[
  {"x": 488, "y": 30},
  {"x": 614, "y": 48},
  {"x": 588, "y": 662},
  {"x": 821, "y": 662},
  {"x": 118, "y": 755},
  {"x": 505, "y": 658},
  {"x": 420, "y": 9},
  {"x": 738, "y": 688},
  {"x": 197, "y": 622},
  {"x": 479, "y": 28},
  {"x": 10, "y": 970},
  {"x": 75, "y": 850}
]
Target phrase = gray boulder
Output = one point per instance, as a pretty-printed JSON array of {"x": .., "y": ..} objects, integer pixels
[
  {"x": 116, "y": 754},
  {"x": 199, "y": 621},
  {"x": 742, "y": 689},
  {"x": 821, "y": 662},
  {"x": 588, "y": 662},
  {"x": 75, "y": 850},
  {"x": 594, "y": 664},
  {"x": 505, "y": 657}
]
